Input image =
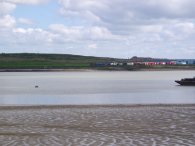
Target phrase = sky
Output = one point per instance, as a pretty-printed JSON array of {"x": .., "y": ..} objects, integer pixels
[{"x": 107, "y": 28}]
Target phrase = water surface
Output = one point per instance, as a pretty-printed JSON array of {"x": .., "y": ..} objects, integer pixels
[{"x": 148, "y": 87}]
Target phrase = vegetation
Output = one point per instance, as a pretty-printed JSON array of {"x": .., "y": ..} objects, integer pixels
[
  {"x": 67, "y": 61},
  {"x": 49, "y": 61}
]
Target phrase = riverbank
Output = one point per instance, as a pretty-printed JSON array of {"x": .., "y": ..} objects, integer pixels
[
  {"x": 45, "y": 70},
  {"x": 32, "y": 62},
  {"x": 96, "y": 69},
  {"x": 97, "y": 125}
]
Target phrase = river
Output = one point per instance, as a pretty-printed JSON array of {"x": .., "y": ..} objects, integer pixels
[{"x": 95, "y": 87}]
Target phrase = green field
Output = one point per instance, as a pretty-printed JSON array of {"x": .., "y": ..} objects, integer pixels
[{"x": 49, "y": 61}]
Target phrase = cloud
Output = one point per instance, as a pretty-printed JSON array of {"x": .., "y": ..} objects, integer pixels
[
  {"x": 92, "y": 46},
  {"x": 7, "y": 21},
  {"x": 25, "y": 21},
  {"x": 74, "y": 33},
  {"x": 120, "y": 16},
  {"x": 147, "y": 27},
  {"x": 6, "y": 8},
  {"x": 32, "y": 36},
  {"x": 116, "y": 28},
  {"x": 33, "y": 2}
]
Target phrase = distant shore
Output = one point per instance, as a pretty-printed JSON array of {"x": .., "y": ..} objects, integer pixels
[
  {"x": 32, "y": 62},
  {"x": 87, "y": 70},
  {"x": 43, "y": 70}
]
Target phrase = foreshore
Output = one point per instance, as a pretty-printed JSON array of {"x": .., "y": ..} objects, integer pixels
[
  {"x": 97, "y": 125},
  {"x": 20, "y": 106},
  {"x": 89, "y": 70}
]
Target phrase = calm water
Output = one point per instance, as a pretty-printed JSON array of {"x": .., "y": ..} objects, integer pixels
[{"x": 95, "y": 88}]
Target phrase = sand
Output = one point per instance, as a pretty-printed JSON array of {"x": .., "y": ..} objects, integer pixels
[{"x": 114, "y": 125}]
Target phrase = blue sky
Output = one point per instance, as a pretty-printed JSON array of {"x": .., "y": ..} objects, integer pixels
[
  {"x": 41, "y": 15},
  {"x": 113, "y": 28}
]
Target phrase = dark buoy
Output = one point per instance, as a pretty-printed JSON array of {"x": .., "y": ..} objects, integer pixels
[{"x": 36, "y": 86}]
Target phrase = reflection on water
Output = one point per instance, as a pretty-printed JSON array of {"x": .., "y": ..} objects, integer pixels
[{"x": 95, "y": 88}]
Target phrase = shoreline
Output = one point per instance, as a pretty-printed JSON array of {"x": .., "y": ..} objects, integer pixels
[
  {"x": 91, "y": 70},
  {"x": 93, "y": 106},
  {"x": 44, "y": 70}
]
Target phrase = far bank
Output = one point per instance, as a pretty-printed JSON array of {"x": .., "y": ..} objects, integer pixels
[{"x": 27, "y": 62}]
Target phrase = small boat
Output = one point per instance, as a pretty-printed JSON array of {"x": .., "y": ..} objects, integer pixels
[{"x": 186, "y": 82}]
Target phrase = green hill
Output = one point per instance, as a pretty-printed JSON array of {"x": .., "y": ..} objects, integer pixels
[{"x": 49, "y": 61}]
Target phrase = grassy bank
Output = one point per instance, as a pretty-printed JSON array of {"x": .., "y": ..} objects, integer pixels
[
  {"x": 21, "y": 61},
  {"x": 48, "y": 61}
]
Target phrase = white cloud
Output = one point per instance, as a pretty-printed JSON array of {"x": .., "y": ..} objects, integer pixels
[
  {"x": 119, "y": 16},
  {"x": 82, "y": 33},
  {"x": 6, "y": 8},
  {"x": 148, "y": 27},
  {"x": 7, "y": 21},
  {"x": 119, "y": 28},
  {"x": 25, "y": 21},
  {"x": 66, "y": 33},
  {"x": 32, "y": 36},
  {"x": 92, "y": 46},
  {"x": 34, "y": 2}
]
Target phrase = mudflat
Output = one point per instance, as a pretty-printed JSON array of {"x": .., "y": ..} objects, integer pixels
[{"x": 104, "y": 125}]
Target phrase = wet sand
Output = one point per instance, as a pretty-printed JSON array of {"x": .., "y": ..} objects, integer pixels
[{"x": 113, "y": 125}]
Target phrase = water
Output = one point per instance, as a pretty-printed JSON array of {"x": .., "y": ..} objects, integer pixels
[{"x": 55, "y": 88}]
